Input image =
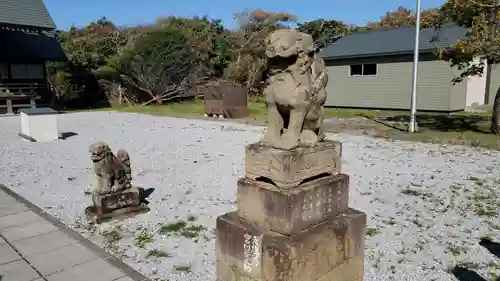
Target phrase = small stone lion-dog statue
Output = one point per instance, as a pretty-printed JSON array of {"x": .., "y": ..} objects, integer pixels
[
  {"x": 113, "y": 173},
  {"x": 295, "y": 91}
]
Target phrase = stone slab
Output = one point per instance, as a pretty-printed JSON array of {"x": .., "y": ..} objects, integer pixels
[
  {"x": 5, "y": 198},
  {"x": 7, "y": 254},
  {"x": 289, "y": 211},
  {"x": 36, "y": 214},
  {"x": 18, "y": 271},
  {"x": 96, "y": 270},
  {"x": 106, "y": 203},
  {"x": 308, "y": 255},
  {"x": 60, "y": 259},
  {"x": 43, "y": 243},
  {"x": 28, "y": 230},
  {"x": 18, "y": 219},
  {"x": 10, "y": 208},
  {"x": 288, "y": 168}
]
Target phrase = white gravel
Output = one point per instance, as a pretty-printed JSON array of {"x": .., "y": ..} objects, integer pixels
[{"x": 193, "y": 165}]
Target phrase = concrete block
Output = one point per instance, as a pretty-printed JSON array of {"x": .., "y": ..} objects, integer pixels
[
  {"x": 39, "y": 124},
  {"x": 289, "y": 211},
  {"x": 288, "y": 168}
]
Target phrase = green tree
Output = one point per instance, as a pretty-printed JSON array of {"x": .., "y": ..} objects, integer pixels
[
  {"x": 404, "y": 17},
  {"x": 323, "y": 31},
  {"x": 87, "y": 49},
  {"x": 159, "y": 64},
  {"x": 211, "y": 43},
  {"x": 482, "y": 44},
  {"x": 249, "y": 53}
]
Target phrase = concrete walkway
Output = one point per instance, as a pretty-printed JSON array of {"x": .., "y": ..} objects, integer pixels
[{"x": 35, "y": 246}]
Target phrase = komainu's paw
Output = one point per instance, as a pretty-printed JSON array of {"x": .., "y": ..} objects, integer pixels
[
  {"x": 116, "y": 188},
  {"x": 308, "y": 138},
  {"x": 269, "y": 140},
  {"x": 287, "y": 142}
]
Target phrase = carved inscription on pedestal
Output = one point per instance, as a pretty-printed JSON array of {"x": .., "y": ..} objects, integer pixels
[
  {"x": 118, "y": 201},
  {"x": 317, "y": 205},
  {"x": 251, "y": 252}
]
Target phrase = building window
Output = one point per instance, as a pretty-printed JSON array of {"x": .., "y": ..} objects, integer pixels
[
  {"x": 3, "y": 70},
  {"x": 27, "y": 71},
  {"x": 367, "y": 69}
]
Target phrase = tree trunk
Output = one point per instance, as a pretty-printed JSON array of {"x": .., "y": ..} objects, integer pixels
[{"x": 495, "y": 118}]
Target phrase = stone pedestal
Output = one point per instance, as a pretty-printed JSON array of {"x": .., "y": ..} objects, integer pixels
[
  {"x": 293, "y": 222},
  {"x": 288, "y": 168},
  {"x": 115, "y": 205}
]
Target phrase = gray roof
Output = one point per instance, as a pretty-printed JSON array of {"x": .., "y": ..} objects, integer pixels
[
  {"x": 392, "y": 41},
  {"x": 25, "y": 13}
]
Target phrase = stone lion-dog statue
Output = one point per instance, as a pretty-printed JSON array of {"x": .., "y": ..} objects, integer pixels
[
  {"x": 113, "y": 172},
  {"x": 295, "y": 91}
]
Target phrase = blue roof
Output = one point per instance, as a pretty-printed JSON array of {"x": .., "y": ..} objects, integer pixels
[{"x": 392, "y": 41}]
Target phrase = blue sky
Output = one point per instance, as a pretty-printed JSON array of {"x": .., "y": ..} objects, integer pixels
[{"x": 131, "y": 12}]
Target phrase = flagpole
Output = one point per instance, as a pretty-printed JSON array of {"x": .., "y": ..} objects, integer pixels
[{"x": 413, "y": 111}]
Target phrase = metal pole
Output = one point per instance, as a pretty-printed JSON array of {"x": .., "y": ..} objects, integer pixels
[{"x": 413, "y": 111}]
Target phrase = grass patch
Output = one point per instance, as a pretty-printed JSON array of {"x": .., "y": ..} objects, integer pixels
[
  {"x": 389, "y": 221},
  {"x": 158, "y": 253},
  {"x": 464, "y": 128},
  {"x": 372, "y": 231},
  {"x": 456, "y": 250},
  {"x": 143, "y": 238},
  {"x": 256, "y": 110},
  {"x": 172, "y": 227},
  {"x": 112, "y": 236},
  {"x": 182, "y": 228},
  {"x": 426, "y": 196},
  {"x": 183, "y": 268}
]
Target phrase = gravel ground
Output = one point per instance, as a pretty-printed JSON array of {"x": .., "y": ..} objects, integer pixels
[{"x": 427, "y": 205}]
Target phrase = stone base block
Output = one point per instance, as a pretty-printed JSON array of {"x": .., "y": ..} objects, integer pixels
[
  {"x": 288, "y": 168},
  {"x": 106, "y": 203},
  {"x": 350, "y": 270},
  {"x": 94, "y": 217},
  {"x": 288, "y": 211},
  {"x": 331, "y": 250}
]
